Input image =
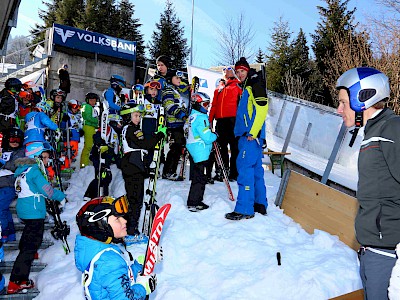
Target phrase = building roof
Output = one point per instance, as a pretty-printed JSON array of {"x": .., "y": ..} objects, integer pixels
[{"x": 8, "y": 19}]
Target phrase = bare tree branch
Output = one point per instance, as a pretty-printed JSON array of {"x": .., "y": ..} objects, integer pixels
[{"x": 235, "y": 41}]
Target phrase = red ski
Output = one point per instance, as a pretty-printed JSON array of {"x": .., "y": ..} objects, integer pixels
[{"x": 154, "y": 238}]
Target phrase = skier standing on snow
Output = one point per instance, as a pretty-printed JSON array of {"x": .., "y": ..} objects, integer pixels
[
  {"x": 223, "y": 109},
  {"x": 32, "y": 188},
  {"x": 12, "y": 150},
  {"x": 91, "y": 122},
  {"x": 103, "y": 154},
  {"x": 199, "y": 144},
  {"x": 135, "y": 147},
  {"x": 176, "y": 115},
  {"x": 250, "y": 129},
  {"x": 363, "y": 93},
  {"x": 107, "y": 274},
  {"x": 57, "y": 98}
]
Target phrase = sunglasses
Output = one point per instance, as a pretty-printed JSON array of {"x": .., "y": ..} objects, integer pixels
[
  {"x": 228, "y": 69},
  {"x": 15, "y": 140},
  {"x": 120, "y": 205}
]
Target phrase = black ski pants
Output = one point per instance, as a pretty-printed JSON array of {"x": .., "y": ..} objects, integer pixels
[
  {"x": 198, "y": 185},
  {"x": 134, "y": 186},
  {"x": 31, "y": 239},
  {"x": 224, "y": 129},
  {"x": 175, "y": 150}
]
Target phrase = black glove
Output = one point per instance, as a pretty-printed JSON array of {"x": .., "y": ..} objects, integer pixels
[
  {"x": 81, "y": 133},
  {"x": 65, "y": 118}
]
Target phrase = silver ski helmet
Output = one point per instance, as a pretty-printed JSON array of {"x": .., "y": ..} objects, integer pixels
[
  {"x": 200, "y": 102},
  {"x": 92, "y": 218},
  {"x": 366, "y": 86}
]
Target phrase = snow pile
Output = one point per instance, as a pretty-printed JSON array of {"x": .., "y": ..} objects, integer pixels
[{"x": 209, "y": 257}]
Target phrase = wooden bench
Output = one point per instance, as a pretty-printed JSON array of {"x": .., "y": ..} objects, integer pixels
[
  {"x": 277, "y": 159},
  {"x": 317, "y": 206}
]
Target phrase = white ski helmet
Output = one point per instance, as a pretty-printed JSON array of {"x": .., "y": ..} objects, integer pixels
[{"x": 366, "y": 86}]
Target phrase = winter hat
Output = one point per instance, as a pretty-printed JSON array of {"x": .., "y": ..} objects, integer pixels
[
  {"x": 163, "y": 59},
  {"x": 170, "y": 73},
  {"x": 242, "y": 64}
]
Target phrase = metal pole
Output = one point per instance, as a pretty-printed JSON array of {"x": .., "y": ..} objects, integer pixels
[{"x": 191, "y": 38}]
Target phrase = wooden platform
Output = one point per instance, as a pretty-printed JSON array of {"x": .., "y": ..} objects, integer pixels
[{"x": 317, "y": 206}]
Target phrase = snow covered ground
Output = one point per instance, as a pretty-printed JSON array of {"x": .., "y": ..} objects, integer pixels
[{"x": 209, "y": 257}]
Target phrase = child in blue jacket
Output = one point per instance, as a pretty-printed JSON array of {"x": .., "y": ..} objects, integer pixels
[
  {"x": 199, "y": 145},
  {"x": 107, "y": 275},
  {"x": 32, "y": 188}
]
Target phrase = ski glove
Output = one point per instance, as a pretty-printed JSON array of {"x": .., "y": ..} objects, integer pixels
[
  {"x": 57, "y": 134},
  {"x": 103, "y": 149},
  {"x": 162, "y": 128},
  {"x": 149, "y": 282}
]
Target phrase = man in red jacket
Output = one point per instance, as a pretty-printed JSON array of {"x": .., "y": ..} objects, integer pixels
[{"x": 223, "y": 109}]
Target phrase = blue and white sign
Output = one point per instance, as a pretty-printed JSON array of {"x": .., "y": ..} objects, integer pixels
[{"x": 93, "y": 42}]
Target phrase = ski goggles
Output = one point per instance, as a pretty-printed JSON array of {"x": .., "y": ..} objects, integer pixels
[
  {"x": 74, "y": 106},
  {"x": 26, "y": 95},
  {"x": 228, "y": 69},
  {"x": 120, "y": 205},
  {"x": 154, "y": 85},
  {"x": 179, "y": 73},
  {"x": 15, "y": 140}
]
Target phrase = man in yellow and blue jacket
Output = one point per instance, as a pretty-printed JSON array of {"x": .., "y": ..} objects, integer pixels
[{"x": 250, "y": 130}]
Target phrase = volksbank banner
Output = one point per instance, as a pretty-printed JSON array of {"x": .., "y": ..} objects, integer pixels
[{"x": 93, "y": 42}]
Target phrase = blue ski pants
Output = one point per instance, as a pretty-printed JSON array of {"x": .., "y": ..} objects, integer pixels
[
  {"x": 251, "y": 177},
  {"x": 7, "y": 195}
]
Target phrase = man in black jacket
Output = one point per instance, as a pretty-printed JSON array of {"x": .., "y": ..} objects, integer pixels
[{"x": 363, "y": 93}]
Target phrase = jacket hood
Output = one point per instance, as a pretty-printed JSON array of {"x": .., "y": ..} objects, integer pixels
[
  {"x": 86, "y": 249},
  {"x": 24, "y": 163}
]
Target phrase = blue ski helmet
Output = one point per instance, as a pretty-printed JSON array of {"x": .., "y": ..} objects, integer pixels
[
  {"x": 118, "y": 80},
  {"x": 138, "y": 87},
  {"x": 366, "y": 86}
]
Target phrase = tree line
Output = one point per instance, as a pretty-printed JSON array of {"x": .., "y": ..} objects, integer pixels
[{"x": 338, "y": 43}]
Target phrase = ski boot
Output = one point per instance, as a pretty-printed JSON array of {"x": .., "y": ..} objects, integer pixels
[{"x": 234, "y": 216}]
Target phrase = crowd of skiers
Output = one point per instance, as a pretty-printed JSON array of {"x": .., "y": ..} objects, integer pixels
[{"x": 40, "y": 140}]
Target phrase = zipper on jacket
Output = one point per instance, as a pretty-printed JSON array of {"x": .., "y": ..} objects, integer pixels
[
  {"x": 245, "y": 121},
  {"x": 378, "y": 221}
]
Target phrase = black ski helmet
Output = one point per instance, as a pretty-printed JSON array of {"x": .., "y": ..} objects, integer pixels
[
  {"x": 92, "y": 96},
  {"x": 200, "y": 102},
  {"x": 92, "y": 218},
  {"x": 129, "y": 108},
  {"x": 13, "y": 84},
  {"x": 15, "y": 133}
]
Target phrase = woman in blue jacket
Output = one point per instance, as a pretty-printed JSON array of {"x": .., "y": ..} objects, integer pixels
[
  {"x": 107, "y": 274},
  {"x": 199, "y": 144},
  {"x": 33, "y": 189}
]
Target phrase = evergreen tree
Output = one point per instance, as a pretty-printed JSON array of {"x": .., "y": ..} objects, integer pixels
[
  {"x": 278, "y": 58},
  {"x": 260, "y": 56},
  {"x": 48, "y": 16},
  {"x": 129, "y": 29},
  {"x": 168, "y": 38},
  {"x": 69, "y": 12},
  {"x": 101, "y": 16},
  {"x": 336, "y": 20},
  {"x": 299, "y": 56}
]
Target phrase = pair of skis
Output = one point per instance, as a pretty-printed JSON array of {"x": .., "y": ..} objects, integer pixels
[{"x": 151, "y": 206}]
